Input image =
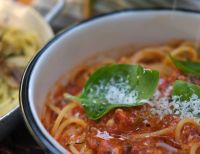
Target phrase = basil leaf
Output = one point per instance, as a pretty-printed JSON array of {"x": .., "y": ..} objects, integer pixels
[
  {"x": 185, "y": 90},
  {"x": 116, "y": 85},
  {"x": 186, "y": 100},
  {"x": 187, "y": 66}
]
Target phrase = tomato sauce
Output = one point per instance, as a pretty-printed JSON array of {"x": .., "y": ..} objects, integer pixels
[{"x": 114, "y": 132}]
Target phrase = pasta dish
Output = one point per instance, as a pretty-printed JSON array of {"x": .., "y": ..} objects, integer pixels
[
  {"x": 16, "y": 49},
  {"x": 146, "y": 102}
]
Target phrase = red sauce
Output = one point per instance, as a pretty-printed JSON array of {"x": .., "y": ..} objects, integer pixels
[{"x": 114, "y": 133}]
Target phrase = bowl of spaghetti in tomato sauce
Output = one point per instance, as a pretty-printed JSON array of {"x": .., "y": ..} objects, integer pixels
[{"x": 125, "y": 82}]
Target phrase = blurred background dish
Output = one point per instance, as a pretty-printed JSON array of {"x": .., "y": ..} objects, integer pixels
[
  {"x": 23, "y": 31},
  {"x": 16, "y": 48},
  {"x": 77, "y": 10}
]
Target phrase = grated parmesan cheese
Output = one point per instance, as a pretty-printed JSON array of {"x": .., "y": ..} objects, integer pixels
[
  {"x": 116, "y": 91},
  {"x": 161, "y": 105},
  {"x": 190, "y": 108},
  {"x": 121, "y": 94},
  {"x": 166, "y": 105}
]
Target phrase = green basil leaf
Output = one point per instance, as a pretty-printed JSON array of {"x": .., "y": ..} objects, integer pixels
[
  {"x": 187, "y": 66},
  {"x": 186, "y": 100},
  {"x": 185, "y": 90},
  {"x": 116, "y": 85}
]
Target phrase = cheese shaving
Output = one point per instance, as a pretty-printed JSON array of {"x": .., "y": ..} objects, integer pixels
[
  {"x": 184, "y": 109},
  {"x": 116, "y": 91},
  {"x": 189, "y": 109}
]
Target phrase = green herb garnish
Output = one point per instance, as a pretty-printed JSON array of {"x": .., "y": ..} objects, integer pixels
[
  {"x": 187, "y": 66},
  {"x": 185, "y": 90},
  {"x": 116, "y": 85},
  {"x": 186, "y": 100}
]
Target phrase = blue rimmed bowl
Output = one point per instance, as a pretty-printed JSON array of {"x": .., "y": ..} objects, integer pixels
[{"x": 73, "y": 45}]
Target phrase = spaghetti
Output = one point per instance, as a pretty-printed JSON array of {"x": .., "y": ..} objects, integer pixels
[
  {"x": 127, "y": 130},
  {"x": 16, "y": 49}
]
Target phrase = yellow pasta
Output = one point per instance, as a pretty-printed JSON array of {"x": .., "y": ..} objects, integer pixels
[
  {"x": 126, "y": 130},
  {"x": 16, "y": 49}
]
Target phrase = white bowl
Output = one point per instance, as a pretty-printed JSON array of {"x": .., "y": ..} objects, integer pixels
[
  {"x": 27, "y": 19},
  {"x": 73, "y": 45}
]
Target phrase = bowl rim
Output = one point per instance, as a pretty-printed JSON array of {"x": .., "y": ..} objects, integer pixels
[{"x": 23, "y": 92}]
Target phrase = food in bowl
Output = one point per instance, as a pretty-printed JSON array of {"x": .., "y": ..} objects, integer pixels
[
  {"x": 16, "y": 49},
  {"x": 142, "y": 102}
]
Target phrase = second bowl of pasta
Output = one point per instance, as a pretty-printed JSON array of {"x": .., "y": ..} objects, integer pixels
[{"x": 23, "y": 31}]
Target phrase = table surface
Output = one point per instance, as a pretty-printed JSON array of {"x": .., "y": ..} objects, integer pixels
[{"x": 20, "y": 141}]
